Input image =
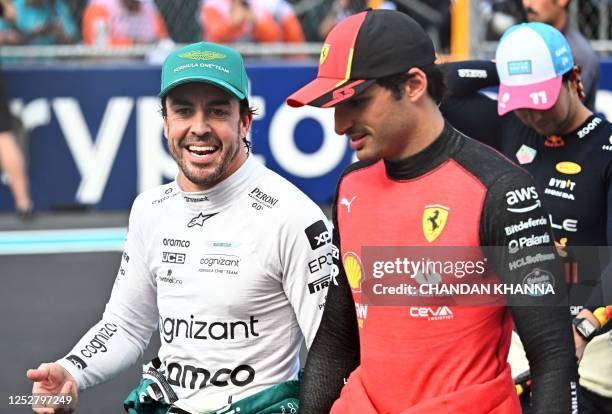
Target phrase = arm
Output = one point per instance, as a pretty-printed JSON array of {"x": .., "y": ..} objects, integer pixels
[
  {"x": 119, "y": 339},
  {"x": 543, "y": 322},
  {"x": 465, "y": 108},
  {"x": 335, "y": 351},
  {"x": 306, "y": 270}
]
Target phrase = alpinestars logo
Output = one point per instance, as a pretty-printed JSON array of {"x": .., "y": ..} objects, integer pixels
[
  {"x": 78, "y": 362},
  {"x": 200, "y": 219}
]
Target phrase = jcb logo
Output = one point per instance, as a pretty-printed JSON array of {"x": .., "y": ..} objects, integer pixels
[{"x": 170, "y": 257}]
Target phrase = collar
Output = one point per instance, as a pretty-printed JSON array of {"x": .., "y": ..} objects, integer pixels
[{"x": 439, "y": 151}]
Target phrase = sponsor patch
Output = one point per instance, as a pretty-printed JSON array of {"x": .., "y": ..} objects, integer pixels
[
  {"x": 519, "y": 67},
  {"x": 525, "y": 154},
  {"x": 539, "y": 277},
  {"x": 200, "y": 219},
  {"x": 317, "y": 285},
  {"x": 568, "y": 167},
  {"x": 354, "y": 270},
  {"x": 434, "y": 220},
  {"x": 173, "y": 257},
  {"x": 76, "y": 361},
  {"x": 318, "y": 235}
]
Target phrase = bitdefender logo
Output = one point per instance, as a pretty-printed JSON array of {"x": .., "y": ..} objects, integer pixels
[{"x": 200, "y": 219}]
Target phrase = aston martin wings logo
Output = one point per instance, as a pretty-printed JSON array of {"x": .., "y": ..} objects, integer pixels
[{"x": 434, "y": 219}]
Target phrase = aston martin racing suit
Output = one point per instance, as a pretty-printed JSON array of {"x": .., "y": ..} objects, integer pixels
[{"x": 234, "y": 277}]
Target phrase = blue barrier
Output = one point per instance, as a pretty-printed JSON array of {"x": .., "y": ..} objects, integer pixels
[{"x": 95, "y": 133}]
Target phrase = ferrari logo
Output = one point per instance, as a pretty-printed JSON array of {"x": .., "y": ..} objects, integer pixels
[
  {"x": 324, "y": 53},
  {"x": 434, "y": 220}
]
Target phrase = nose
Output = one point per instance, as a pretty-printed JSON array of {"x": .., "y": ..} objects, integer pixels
[
  {"x": 200, "y": 125},
  {"x": 342, "y": 119}
]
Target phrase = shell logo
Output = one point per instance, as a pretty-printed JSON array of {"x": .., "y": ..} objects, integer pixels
[
  {"x": 568, "y": 167},
  {"x": 353, "y": 270}
]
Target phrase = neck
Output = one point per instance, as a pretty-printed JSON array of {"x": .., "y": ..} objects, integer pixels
[
  {"x": 427, "y": 127},
  {"x": 582, "y": 114}
]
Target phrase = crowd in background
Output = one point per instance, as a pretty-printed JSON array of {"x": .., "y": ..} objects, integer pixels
[{"x": 126, "y": 22}]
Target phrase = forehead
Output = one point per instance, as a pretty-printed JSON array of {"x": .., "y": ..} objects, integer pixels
[{"x": 200, "y": 91}]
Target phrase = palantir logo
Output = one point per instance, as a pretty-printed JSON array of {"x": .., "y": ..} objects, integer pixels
[
  {"x": 78, "y": 362},
  {"x": 200, "y": 219},
  {"x": 318, "y": 235}
]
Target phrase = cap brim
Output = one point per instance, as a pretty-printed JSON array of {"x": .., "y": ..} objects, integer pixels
[
  {"x": 327, "y": 92},
  {"x": 541, "y": 96},
  {"x": 204, "y": 79}
]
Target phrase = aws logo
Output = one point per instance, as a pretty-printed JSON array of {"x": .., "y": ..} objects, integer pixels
[
  {"x": 434, "y": 220},
  {"x": 354, "y": 270},
  {"x": 521, "y": 195}
]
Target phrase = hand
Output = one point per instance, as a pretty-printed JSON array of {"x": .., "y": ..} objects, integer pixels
[
  {"x": 53, "y": 379},
  {"x": 579, "y": 341},
  {"x": 580, "y": 344}
]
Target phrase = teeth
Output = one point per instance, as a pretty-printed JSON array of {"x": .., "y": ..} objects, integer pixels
[{"x": 201, "y": 150}]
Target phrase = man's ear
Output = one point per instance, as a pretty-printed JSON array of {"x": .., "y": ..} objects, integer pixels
[
  {"x": 416, "y": 86},
  {"x": 245, "y": 124},
  {"x": 166, "y": 128}
]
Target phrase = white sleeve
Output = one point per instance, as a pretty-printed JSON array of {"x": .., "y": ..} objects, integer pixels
[
  {"x": 130, "y": 317},
  {"x": 306, "y": 254}
]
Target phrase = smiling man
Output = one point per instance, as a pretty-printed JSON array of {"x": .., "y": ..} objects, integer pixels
[
  {"x": 230, "y": 261},
  {"x": 419, "y": 183}
]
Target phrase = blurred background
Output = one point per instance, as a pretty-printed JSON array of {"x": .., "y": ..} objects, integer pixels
[{"x": 79, "y": 80}]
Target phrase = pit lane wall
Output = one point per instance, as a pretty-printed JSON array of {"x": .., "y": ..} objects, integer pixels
[{"x": 95, "y": 132}]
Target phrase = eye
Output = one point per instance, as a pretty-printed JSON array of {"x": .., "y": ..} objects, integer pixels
[
  {"x": 182, "y": 110},
  {"x": 218, "y": 112}
]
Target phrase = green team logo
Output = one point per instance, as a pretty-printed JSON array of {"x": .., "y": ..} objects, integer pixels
[{"x": 197, "y": 55}]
